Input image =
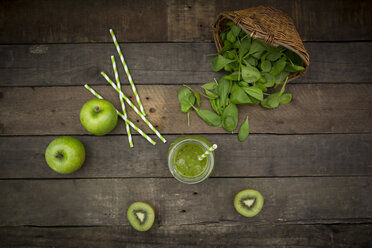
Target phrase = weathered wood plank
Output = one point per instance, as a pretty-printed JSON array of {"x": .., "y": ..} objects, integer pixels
[
  {"x": 162, "y": 63},
  {"x": 191, "y": 236},
  {"x": 314, "y": 109},
  {"x": 149, "y": 63},
  {"x": 74, "y": 21},
  {"x": 104, "y": 201},
  {"x": 259, "y": 156}
]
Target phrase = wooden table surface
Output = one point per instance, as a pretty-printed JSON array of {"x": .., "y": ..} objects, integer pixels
[{"x": 311, "y": 159}]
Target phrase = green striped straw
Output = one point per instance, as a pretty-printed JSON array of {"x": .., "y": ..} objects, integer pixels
[
  {"x": 127, "y": 72},
  {"x": 134, "y": 107},
  {"x": 207, "y": 152},
  {"x": 122, "y": 116},
  {"x": 122, "y": 101}
]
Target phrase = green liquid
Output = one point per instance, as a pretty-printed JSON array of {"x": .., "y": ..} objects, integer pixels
[{"x": 186, "y": 160}]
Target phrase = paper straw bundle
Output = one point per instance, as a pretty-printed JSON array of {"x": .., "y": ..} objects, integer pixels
[
  {"x": 133, "y": 107},
  {"x": 122, "y": 116},
  {"x": 117, "y": 87}
]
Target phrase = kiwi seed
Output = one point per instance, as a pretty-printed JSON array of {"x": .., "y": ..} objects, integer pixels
[
  {"x": 248, "y": 202},
  {"x": 141, "y": 216}
]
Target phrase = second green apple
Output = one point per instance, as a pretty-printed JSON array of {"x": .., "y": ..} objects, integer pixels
[{"x": 98, "y": 116}]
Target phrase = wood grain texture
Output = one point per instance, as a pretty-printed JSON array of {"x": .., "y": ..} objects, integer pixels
[
  {"x": 259, "y": 156},
  {"x": 162, "y": 63},
  {"x": 191, "y": 236},
  {"x": 83, "y": 202},
  {"x": 75, "y": 21},
  {"x": 314, "y": 109}
]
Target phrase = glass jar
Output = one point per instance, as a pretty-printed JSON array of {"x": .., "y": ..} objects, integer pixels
[{"x": 183, "y": 160}]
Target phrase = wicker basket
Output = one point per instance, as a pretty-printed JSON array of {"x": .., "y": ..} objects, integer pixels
[{"x": 267, "y": 24}]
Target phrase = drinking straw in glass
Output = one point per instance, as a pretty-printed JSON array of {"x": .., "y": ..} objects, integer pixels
[{"x": 207, "y": 152}]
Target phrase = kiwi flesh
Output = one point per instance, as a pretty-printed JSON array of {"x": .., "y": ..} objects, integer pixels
[
  {"x": 248, "y": 202},
  {"x": 141, "y": 216}
]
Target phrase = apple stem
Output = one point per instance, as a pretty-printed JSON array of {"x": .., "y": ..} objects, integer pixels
[
  {"x": 59, "y": 155},
  {"x": 96, "y": 109}
]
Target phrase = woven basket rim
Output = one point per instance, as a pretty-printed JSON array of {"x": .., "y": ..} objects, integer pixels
[{"x": 259, "y": 36}]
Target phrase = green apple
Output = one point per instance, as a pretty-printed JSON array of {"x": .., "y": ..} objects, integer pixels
[
  {"x": 65, "y": 154},
  {"x": 98, "y": 116}
]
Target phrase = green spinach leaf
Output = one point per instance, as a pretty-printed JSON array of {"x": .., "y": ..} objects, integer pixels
[
  {"x": 285, "y": 98},
  {"x": 281, "y": 77},
  {"x": 210, "y": 95},
  {"x": 223, "y": 91},
  {"x": 229, "y": 23},
  {"x": 243, "y": 83},
  {"x": 209, "y": 86},
  {"x": 270, "y": 79},
  {"x": 238, "y": 96},
  {"x": 196, "y": 94},
  {"x": 243, "y": 131},
  {"x": 209, "y": 117},
  {"x": 293, "y": 57},
  {"x": 235, "y": 30},
  {"x": 233, "y": 76},
  {"x": 230, "y": 36},
  {"x": 260, "y": 86},
  {"x": 235, "y": 66},
  {"x": 251, "y": 61},
  {"x": 245, "y": 44},
  {"x": 226, "y": 46},
  {"x": 294, "y": 68},
  {"x": 186, "y": 99},
  {"x": 250, "y": 74},
  {"x": 254, "y": 101},
  {"x": 219, "y": 62},
  {"x": 273, "y": 55},
  {"x": 273, "y": 100},
  {"x": 254, "y": 92},
  {"x": 228, "y": 67},
  {"x": 278, "y": 66},
  {"x": 214, "y": 106},
  {"x": 262, "y": 80},
  {"x": 265, "y": 65},
  {"x": 223, "y": 36},
  {"x": 257, "y": 49},
  {"x": 230, "y": 117}
]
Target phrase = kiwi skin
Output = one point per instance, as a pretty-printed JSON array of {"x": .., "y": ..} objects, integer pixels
[
  {"x": 246, "y": 212},
  {"x": 130, "y": 214}
]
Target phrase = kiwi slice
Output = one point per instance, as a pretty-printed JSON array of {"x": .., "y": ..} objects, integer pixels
[
  {"x": 248, "y": 202},
  {"x": 141, "y": 216}
]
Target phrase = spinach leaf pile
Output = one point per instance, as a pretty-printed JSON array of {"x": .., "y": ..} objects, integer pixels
[{"x": 254, "y": 68}]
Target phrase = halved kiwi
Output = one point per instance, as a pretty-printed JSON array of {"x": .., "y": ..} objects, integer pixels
[
  {"x": 141, "y": 216},
  {"x": 248, "y": 202}
]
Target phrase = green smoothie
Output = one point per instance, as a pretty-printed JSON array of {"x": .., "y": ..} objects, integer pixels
[
  {"x": 183, "y": 159},
  {"x": 186, "y": 160}
]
